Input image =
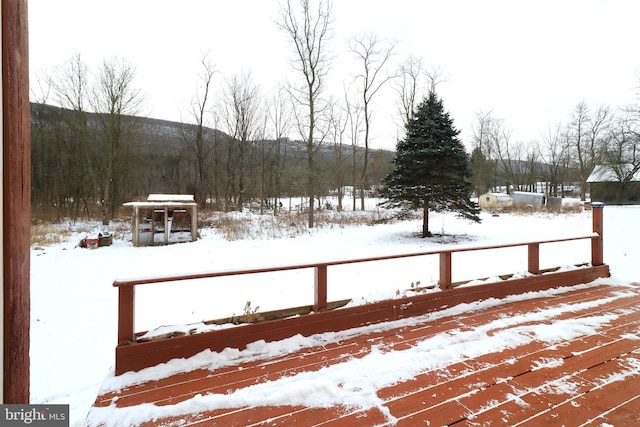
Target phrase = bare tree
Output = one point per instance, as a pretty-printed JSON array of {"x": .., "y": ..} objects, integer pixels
[
  {"x": 98, "y": 127},
  {"x": 242, "y": 112},
  {"x": 354, "y": 123},
  {"x": 46, "y": 153},
  {"x": 373, "y": 55},
  {"x": 482, "y": 131},
  {"x": 554, "y": 152},
  {"x": 338, "y": 128},
  {"x": 71, "y": 87},
  {"x": 482, "y": 154},
  {"x": 507, "y": 153},
  {"x": 435, "y": 76},
  {"x": 309, "y": 29},
  {"x": 117, "y": 100},
  {"x": 218, "y": 179},
  {"x": 280, "y": 116},
  {"x": 409, "y": 87},
  {"x": 195, "y": 136},
  {"x": 586, "y": 136},
  {"x": 266, "y": 162},
  {"x": 508, "y": 159}
]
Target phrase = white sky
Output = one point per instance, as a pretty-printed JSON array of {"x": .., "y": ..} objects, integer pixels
[{"x": 530, "y": 62}]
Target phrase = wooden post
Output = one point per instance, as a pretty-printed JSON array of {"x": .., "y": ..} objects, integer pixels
[
  {"x": 320, "y": 289},
  {"x": 16, "y": 202},
  {"x": 194, "y": 223},
  {"x": 166, "y": 225},
  {"x": 597, "y": 243},
  {"x": 445, "y": 270},
  {"x": 136, "y": 226},
  {"x": 534, "y": 258},
  {"x": 126, "y": 314}
]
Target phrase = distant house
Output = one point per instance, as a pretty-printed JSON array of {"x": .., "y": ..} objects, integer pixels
[
  {"x": 619, "y": 184},
  {"x": 493, "y": 201}
]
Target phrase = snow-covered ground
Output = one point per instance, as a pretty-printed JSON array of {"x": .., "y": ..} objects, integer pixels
[{"x": 74, "y": 305}]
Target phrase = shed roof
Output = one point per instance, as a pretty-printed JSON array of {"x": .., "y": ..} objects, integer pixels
[
  {"x": 170, "y": 198},
  {"x": 500, "y": 196},
  {"x": 521, "y": 194},
  {"x": 165, "y": 200},
  {"x": 160, "y": 204}
]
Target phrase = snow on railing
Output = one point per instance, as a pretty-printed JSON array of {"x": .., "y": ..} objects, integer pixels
[{"x": 126, "y": 288}]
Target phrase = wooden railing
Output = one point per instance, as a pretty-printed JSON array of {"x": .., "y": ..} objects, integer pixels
[{"x": 126, "y": 288}]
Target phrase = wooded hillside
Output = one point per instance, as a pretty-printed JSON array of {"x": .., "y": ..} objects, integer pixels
[{"x": 87, "y": 165}]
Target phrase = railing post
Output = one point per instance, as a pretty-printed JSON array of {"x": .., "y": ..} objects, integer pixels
[
  {"x": 534, "y": 258},
  {"x": 445, "y": 270},
  {"x": 597, "y": 247},
  {"x": 194, "y": 223},
  {"x": 320, "y": 289},
  {"x": 126, "y": 313}
]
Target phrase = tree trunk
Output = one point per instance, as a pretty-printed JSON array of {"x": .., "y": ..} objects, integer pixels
[
  {"x": 106, "y": 199},
  {"x": 425, "y": 221},
  {"x": 620, "y": 195},
  {"x": 310, "y": 190},
  {"x": 363, "y": 177}
]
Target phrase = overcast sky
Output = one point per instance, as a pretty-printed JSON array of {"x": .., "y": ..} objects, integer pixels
[{"x": 530, "y": 62}]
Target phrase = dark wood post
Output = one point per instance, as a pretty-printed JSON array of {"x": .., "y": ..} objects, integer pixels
[
  {"x": 597, "y": 243},
  {"x": 320, "y": 289},
  {"x": 16, "y": 201},
  {"x": 126, "y": 314},
  {"x": 534, "y": 258},
  {"x": 445, "y": 270}
]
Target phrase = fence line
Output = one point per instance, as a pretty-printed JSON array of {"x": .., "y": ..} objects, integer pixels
[{"x": 126, "y": 288}]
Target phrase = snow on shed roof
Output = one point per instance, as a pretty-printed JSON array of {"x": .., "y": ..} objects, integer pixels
[
  {"x": 499, "y": 196},
  {"x": 606, "y": 173},
  {"x": 170, "y": 198}
]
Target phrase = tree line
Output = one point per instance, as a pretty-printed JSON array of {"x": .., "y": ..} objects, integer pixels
[
  {"x": 239, "y": 146},
  {"x": 565, "y": 153},
  {"x": 79, "y": 172}
]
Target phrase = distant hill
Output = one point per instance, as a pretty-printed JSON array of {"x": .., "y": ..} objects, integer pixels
[{"x": 75, "y": 164}]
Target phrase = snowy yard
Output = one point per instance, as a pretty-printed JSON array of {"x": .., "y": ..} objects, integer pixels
[{"x": 74, "y": 305}]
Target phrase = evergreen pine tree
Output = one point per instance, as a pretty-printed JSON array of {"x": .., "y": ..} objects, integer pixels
[{"x": 431, "y": 166}]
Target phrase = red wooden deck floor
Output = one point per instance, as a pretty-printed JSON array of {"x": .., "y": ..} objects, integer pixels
[{"x": 589, "y": 379}]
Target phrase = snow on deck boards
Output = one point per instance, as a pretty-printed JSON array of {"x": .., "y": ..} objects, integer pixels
[{"x": 571, "y": 358}]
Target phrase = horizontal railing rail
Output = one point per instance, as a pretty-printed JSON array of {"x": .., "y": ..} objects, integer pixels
[{"x": 126, "y": 288}]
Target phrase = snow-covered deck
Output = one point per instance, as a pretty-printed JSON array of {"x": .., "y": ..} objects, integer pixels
[{"x": 564, "y": 355}]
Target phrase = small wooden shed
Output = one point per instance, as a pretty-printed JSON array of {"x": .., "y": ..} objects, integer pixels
[
  {"x": 618, "y": 184},
  {"x": 172, "y": 215}
]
